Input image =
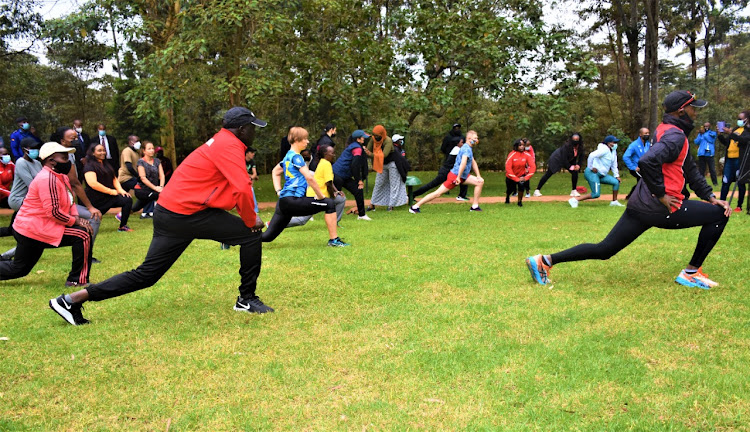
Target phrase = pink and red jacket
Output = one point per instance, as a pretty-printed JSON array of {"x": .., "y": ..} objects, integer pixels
[
  {"x": 519, "y": 166},
  {"x": 48, "y": 208}
]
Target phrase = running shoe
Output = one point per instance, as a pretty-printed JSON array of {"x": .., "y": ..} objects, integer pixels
[
  {"x": 118, "y": 216},
  {"x": 251, "y": 305},
  {"x": 616, "y": 204},
  {"x": 364, "y": 218},
  {"x": 538, "y": 269},
  {"x": 70, "y": 312},
  {"x": 124, "y": 228},
  {"x": 574, "y": 193},
  {"x": 691, "y": 280},
  {"x": 520, "y": 204},
  {"x": 528, "y": 195},
  {"x": 414, "y": 210},
  {"x": 95, "y": 261},
  {"x": 460, "y": 198},
  {"x": 537, "y": 193},
  {"x": 738, "y": 209},
  {"x": 573, "y": 202},
  {"x": 705, "y": 279},
  {"x": 225, "y": 246},
  {"x": 337, "y": 242},
  {"x": 477, "y": 208}
]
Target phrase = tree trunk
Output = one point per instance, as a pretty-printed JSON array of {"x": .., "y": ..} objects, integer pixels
[
  {"x": 652, "y": 60},
  {"x": 167, "y": 136}
]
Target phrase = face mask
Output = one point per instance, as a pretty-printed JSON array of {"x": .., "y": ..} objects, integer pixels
[
  {"x": 614, "y": 147},
  {"x": 63, "y": 168},
  {"x": 34, "y": 153},
  {"x": 137, "y": 145},
  {"x": 5, "y": 159},
  {"x": 646, "y": 138},
  {"x": 333, "y": 135},
  {"x": 25, "y": 126},
  {"x": 740, "y": 123},
  {"x": 102, "y": 133},
  {"x": 79, "y": 130}
]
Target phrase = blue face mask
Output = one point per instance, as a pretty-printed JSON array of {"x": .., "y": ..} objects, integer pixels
[
  {"x": 5, "y": 159},
  {"x": 614, "y": 147},
  {"x": 102, "y": 133},
  {"x": 740, "y": 123},
  {"x": 34, "y": 153},
  {"x": 25, "y": 126}
]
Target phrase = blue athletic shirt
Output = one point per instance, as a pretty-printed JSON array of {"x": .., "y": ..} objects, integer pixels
[
  {"x": 465, "y": 151},
  {"x": 295, "y": 184}
]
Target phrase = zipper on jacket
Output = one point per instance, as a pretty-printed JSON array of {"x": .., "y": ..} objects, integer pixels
[{"x": 209, "y": 196}]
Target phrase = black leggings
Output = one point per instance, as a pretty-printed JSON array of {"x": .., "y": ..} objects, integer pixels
[
  {"x": 549, "y": 173},
  {"x": 144, "y": 196},
  {"x": 288, "y": 207},
  {"x": 126, "y": 203},
  {"x": 632, "y": 224},
  {"x": 637, "y": 178},
  {"x": 352, "y": 186},
  {"x": 441, "y": 177},
  {"x": 512, "y": 186}
]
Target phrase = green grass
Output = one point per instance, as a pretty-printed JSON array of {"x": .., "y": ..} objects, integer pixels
[{"x": 427, "y": 322}]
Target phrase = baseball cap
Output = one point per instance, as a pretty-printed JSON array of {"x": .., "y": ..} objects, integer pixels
[
  {"x": 610, "y": 138},
  {"x": 359, "y": 133},
  {"x": 240, "y": 116},
  {"x": 397, "y": 137},
  {"x": 680, "y": 99},
  {"x": 456, "y": 125},
  {"x": 50, "y": 148}
]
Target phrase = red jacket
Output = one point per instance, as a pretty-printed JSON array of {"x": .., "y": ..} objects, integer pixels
[
  {"x": 6, "y": 178},
  {"x": 47, "y": 209},
  {"x": 212, "y": 176},
  {"x": 519, "y": 166}
]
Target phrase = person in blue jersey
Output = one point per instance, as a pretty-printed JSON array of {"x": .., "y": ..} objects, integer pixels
[
  {"x": 465, "y": 162},
  {"x": 633, "y": 154},
  {"x": 292, "y": 199}
]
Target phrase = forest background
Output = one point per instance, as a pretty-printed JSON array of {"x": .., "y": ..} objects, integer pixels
[{"x": 507, "y": 68}]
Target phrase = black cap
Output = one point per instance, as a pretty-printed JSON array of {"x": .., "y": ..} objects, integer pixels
[
  {"x": 456, "y": 125},
  {"x": 240, "y": 116},
  {"x": 680, "y": 99},
  {"x": 30, "y": 142},
  {"x": 21, "y": 119}
]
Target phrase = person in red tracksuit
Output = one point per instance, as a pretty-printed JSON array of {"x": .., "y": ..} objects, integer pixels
[
  {"x": 195, "y": 204},
  {"x": 660, "y": 200},
  {"x": 519, "y": 167}
]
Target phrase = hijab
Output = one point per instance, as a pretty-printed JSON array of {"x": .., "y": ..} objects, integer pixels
[{"x": 377, "y": 148}]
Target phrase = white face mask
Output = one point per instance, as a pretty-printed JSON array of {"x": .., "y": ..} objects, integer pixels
[
  {"x": 79, "y": 130},
  {"x": 137, "y": 145}
]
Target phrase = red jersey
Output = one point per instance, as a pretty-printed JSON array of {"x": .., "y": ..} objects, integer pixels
[
  {"x": 6, "y": 178},
  {"x": 212, "y": 176},
  {"x": 519, "y": 166}
]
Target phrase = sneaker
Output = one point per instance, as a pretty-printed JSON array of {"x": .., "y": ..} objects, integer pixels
[
  {"x": 118, "y": 216},
  {"x": 616, "y": 204},
  {"x": 150, "y": 214},
  {"x": 251, "y": 305},
  {"x": 460, "y": 198},
  {"x": 125, "y": 228},
  {"x": 574, "y": 193},
  {"x": 477, "y": 208},
  {"x": 365, "y": 217},
  {"x": 738, "y": 209},
  {"x": 514, "y": 194},
  {"x": 528, "y": 195},
  {"x": 74, "y": 284},
  {"x": 95, "y": 261},
  {"x": 225, "y": 246},
  {"x": 691, "y": 280},
  {"x": 573, "y": 202},
  {"x": 537, "y": 193},
  {"x": 704, "y": 278},
  {"x": 520, "y": 204},
  {"x": 69, "y": 312},
  {"x": 538, "y": 269},
  {"x": 414, "y": 210},
  {"x": 145, "y": 216},
  {"x": 337, "y": 242}
]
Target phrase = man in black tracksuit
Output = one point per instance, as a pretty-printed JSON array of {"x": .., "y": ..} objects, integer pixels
[
  {"x": 660, "y": 200},
  {"x": 451, "y": 144}
]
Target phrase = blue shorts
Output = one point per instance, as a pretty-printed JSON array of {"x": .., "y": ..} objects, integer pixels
[{"x": 595, "y": 182}]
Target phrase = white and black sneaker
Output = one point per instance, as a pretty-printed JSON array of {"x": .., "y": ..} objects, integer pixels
[
  {"x": 70, "y": 312},
  {"x": 251, "y": 305}
]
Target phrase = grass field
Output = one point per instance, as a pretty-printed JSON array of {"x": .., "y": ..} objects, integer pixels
[{"x": 427, "y": 322}]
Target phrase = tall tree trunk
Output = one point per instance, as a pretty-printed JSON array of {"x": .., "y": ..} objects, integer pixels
[
  {"x": 652, "y": 60},
  {"x": 167, "y": 135},
  {"x": 693, "y": 47},
  {"x": 632, "y": 35}
]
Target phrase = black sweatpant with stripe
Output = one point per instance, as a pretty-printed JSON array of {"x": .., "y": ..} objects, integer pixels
[
  {"x": 29, "y": 251},
  {"x": 632, "y": 224},
  {"x": 442, "y": 176},
  {"x": 288, "y": 207},
  {"x": 173, "y": 233}
]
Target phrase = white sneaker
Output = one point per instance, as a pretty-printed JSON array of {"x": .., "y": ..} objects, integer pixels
[
  {"x": 616, "y": 204},
  {"x": 527, "y": 196},
  {"x": 537, "y": 193},
  {"x": 574, "y": 193},
  {"x": 573, "y": 202},
  {"x": 460, "y": 198},
  {"x": 365, "y": 217}
]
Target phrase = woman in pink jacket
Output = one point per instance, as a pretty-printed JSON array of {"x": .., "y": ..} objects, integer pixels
[{"x": 48, "y": 218}]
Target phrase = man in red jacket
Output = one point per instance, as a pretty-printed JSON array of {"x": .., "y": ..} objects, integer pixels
[{"x": 194, "y": 205}]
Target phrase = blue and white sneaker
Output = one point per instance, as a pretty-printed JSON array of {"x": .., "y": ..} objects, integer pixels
[
  {"x": 337, "y": 242},
  {"x": 414, "y": 210},
  {"x": 538, "y": 269},
  {"x": 692, "y": 280}
]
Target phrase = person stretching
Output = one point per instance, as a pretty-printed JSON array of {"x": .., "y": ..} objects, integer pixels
[
  {"x": 465, "y": 162},
  {"x": 519, "y": 167},
  {"x": 660, "y": 200},
  {"x": 292, "y": 199},
  {"x": 600, "y": 162},
  {"x": 324, "y": 177}
]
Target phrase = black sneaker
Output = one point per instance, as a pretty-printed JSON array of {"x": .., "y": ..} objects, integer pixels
[
  {"x": 475, "y": 208},
  {"x": 251, "y": 305},
  {"x": 69, "y": 312},
  {"x": 414, "y": 210},
  {"x": 95, "y": 261}
]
